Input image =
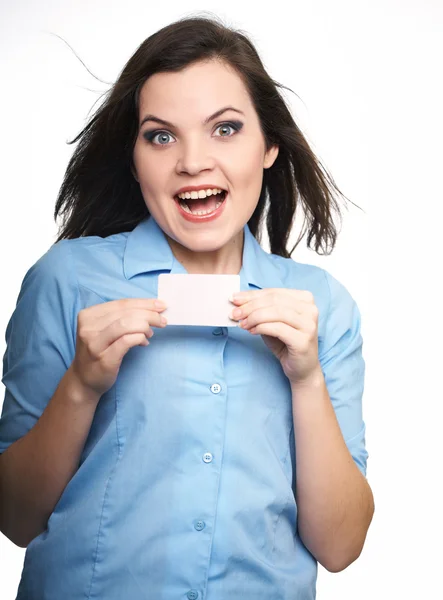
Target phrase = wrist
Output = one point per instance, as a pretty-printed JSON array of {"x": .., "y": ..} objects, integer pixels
[
  {"x": 314, "y": 380},
  {"x": 76, "y": 391}
]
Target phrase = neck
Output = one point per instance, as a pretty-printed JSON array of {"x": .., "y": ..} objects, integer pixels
[{"x": 224, "y": 261}]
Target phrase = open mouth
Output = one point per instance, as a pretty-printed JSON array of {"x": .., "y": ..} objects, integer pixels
[{"x": 200, "y": 207}]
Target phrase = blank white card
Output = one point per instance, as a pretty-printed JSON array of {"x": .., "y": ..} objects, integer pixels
[{"x": 198, "y": 299}]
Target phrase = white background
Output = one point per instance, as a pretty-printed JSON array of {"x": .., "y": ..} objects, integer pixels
[{"x": 369, "y": 77}]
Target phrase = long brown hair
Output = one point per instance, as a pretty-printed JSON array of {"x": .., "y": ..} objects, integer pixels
[{"x": 99, "y": 194}]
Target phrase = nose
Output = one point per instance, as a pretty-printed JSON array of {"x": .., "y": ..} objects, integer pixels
[{"x": 194, "y": 156}]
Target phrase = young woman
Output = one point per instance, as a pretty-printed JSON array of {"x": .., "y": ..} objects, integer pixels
[{"x": 206, "y": 462}]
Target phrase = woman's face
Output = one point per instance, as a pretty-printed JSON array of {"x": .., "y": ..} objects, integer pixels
[{"x": 191, "y": 152}]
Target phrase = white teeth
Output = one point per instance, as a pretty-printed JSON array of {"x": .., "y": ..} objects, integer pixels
[{"x": 200, "y": 194}]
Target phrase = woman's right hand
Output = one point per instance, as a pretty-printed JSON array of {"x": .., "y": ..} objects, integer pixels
[{"x": 105, "y": 333}]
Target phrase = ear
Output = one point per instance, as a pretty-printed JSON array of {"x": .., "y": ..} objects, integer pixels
[{"x": 270, "y": 157}]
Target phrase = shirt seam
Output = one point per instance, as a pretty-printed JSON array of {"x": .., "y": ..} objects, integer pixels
[
  {"x": 96, "y": 552},
  {"x": 85, "y": 287},
  {"x": 95, "y": 559},
  {"x": 77, "y": 281},
  {"x": 290, "y": 493},
  {"x": 357, "y": 435}
]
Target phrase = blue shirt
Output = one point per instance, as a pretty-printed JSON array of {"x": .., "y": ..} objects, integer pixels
[{"x": 185, "y": 484}]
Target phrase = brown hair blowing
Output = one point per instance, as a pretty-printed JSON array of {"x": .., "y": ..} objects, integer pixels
[{"x": 99, "y": 194}]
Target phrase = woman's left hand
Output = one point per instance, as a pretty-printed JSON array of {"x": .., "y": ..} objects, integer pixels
[{"x": 287, "y": 319}]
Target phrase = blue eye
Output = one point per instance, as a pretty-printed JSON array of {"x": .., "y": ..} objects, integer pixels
[{"x": 151, "y": 135}]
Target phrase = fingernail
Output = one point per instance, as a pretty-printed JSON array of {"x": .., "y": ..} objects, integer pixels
[
  {"x": 159, "y": 304},
  {"x": 163, "y": 320}
]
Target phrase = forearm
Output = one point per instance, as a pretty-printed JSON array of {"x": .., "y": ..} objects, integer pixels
[
  {"x": 334, "y": 500},
  {"x": 35, "y": 469}
]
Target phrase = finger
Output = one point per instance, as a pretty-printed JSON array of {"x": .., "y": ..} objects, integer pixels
[
  {"x": 104, "y": 320},
  {"x": 291, "y": 337},
  {"x": 280, "y": 314},
  {"x": 246, "y": 309},
  {"x": 99, "y": 340},
  {"x": 125, "y": 303},
  {"x": 116, "y": 351},
  {"x": 274, "y": 294}
]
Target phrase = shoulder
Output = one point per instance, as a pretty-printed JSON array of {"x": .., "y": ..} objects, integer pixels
[
  {"x": 52, "y": 269},
  {"x": 54, "y": 279},
  {"x": 331, "y": 296},
  {"x": 305, "y": 276},
  {"x": 80, "y": 261},
  {"x": 96, "y": 249}
]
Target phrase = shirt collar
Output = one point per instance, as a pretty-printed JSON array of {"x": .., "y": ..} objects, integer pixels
[{"x": 147, "y": 250}]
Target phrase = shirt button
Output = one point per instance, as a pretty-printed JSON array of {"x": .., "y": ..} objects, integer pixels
[
  {"x": 199, "y": 525},
  {"x": 215, "y": 388},
  {"x": 207, "y": 457},
  {"x": 217, "y": 331},
  {"x": 192, "y": 594}
]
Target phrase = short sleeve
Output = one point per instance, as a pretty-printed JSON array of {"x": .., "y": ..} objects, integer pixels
[
  {"x": 40, "y": 341},
  {"x": 343, "y": 366}
]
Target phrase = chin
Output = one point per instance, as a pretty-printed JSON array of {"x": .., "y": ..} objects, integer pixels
[{"x": 202, "y": 245}]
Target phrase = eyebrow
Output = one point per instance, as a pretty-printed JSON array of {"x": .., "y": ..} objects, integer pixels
[{"x": 205, "y": 122}]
